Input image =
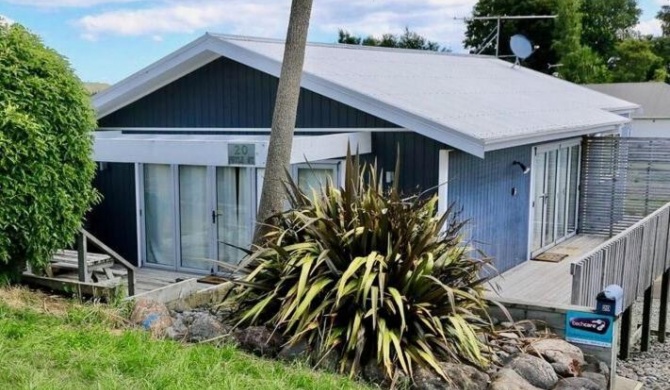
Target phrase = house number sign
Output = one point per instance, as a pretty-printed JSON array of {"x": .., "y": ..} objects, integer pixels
[{"x": 241, "y": 154}]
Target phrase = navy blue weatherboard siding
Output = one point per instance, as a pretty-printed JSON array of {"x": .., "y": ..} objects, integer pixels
[
  {"x": 113, "y": 220},
  {"x": 419, "y": 159},
  {"x": 483, "y": 189},
  {"x": 225, "y": 93}
]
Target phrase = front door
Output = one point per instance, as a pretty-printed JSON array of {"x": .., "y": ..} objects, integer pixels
[
  {"x": 555, "y": 194},
  {"x": 192, "y": 215}
]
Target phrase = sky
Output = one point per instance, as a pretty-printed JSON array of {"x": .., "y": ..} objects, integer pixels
[{"x": 108, "y": 40}]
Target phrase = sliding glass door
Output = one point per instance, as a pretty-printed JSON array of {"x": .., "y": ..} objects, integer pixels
[
  {"x": 159, "y": 215},
  {"x": 195, "y": 214},
  {"x": 234, "y": 213},
  {"x": 555, "y": 189},
  {"x": 194, "y": 218}
]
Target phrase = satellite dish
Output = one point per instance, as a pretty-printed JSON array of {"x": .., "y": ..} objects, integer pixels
[{"x": 521, "y": 47}]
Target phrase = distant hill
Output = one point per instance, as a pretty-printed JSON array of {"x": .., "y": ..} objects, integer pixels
[{"x": 94, "y": 88}]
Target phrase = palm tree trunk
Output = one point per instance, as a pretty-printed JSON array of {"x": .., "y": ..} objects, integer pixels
[{"x": 273, "y": 196}]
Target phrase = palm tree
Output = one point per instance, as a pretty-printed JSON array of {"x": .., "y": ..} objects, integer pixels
[{"x": 285, "y": 111}]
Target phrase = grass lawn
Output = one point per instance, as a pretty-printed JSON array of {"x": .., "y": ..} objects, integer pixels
[{"x": 53, "y": 343}]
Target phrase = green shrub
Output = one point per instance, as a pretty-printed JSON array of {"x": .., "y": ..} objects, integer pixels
[
  {"x": 45, "y": 151},
  {"x": 368, "y": 275}
]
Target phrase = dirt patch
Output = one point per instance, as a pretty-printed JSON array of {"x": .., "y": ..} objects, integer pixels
[{"x": 24, "y": 298}]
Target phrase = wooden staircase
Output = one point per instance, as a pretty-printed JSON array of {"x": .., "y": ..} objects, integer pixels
[{"x": 84, "y": 272}]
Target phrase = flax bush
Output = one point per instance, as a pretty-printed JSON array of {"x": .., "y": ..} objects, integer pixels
[{"x": 367, "y": 275}]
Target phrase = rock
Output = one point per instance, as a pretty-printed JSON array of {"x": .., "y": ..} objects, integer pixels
[
  {"x": 259, "y": 340},
  {"x": 549, "y": 348},
  {"x": 374, "y": 373},
  {"x": 527, "y": 327},
  {"x": 593, "y": 364},
  {"x": 152, "y": 316},
  {"x": 205, "y": 326},
  {"x": 565, "y": 370},
  {"x": 565, "y": 357},
  {"x": 296, "y": 351},
  {"x": 509, "y": 335},
  {"x": 507, "y": 379},
  {"x": 461, "y": 377},
  {"x": 328, "y": 362},
  {"x": 536, "y": 371},
  {"x": 178, "y": 329},
  {"x": 601, "y": 380},
  {"x": 576, "y": 384}
]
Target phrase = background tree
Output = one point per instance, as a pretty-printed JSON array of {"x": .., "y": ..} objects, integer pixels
[
  {"x": 273, "y": 196},
  {"x": 46, "y": 168},
  {"x": 346, "y": 37},
  {"x": 538, "y": 31},
  {"x": 579, "y": 63},
  {"x": 604, "y": 21},
  {"x": 664, "y": 16},
  {"x": 407, "y": 40},
  {"x": 637, "y": 62}
]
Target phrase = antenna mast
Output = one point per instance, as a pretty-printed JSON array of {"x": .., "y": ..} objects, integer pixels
[{"x": 495, "y": 34}]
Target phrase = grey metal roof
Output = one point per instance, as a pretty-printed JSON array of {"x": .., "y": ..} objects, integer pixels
[
  {"x": 486, "y": 100},
  {"x": 652, "y": 96},
  {"x": 472, "y": 103}
]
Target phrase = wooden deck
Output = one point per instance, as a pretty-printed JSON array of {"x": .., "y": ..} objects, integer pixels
[
  {"x": 149, "y": 279},
  {"x": 544, "y": 283},
  {"x": 146, "y": 279}
]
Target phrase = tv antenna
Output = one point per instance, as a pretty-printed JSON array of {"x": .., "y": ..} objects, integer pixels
[{"x": 495, "y": 33}]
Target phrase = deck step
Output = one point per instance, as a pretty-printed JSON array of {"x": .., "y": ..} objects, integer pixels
[{"x": 71, "y": 257}]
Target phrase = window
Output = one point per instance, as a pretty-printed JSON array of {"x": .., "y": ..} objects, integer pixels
[{"x": 315, "y": 176}]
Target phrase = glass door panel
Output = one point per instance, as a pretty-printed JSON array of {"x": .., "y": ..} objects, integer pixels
[
  {"x": 573, "y": 189},
  {"x": 550, "y": 198},
  {"x": 159, "y": 215},
  {"x": 562, "y": 175},
  {"x": 195, "y": 217},
  {"x": 234, "y": 210},
  {"x": 538, "y": 201}
]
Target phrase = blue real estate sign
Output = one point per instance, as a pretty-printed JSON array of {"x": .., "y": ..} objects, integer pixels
[{"x": 589, "y": 328}]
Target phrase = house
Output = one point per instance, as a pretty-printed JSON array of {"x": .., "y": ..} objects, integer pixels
[
  {"x": 181, "y": 144},
  {"x": 653, "y": 119}
]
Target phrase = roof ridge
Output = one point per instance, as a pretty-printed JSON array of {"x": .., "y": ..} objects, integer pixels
[{"x": 345, "y": 46}]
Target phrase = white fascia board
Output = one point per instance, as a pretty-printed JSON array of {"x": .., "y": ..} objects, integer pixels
[
  {"x": 183, "y": 61},
  {"x": 187, "y": 151},
  {"x": 211, "y": 150},
  {"x": 325, "y": 147},
  {"x": 252, "y": 130},
  {"x": 510, "y": 142}
]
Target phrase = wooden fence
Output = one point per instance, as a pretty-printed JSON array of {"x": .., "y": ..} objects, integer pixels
[
  {"x": 623, "y": 180},
  {"x": 633, "y": 259}
]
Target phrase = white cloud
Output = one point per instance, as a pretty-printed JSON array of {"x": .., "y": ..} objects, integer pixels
[
  {"x": 235, "y": 16},
  {"x": 66, "y": 3},
  {"x": 431, "y": 18},
  {"x": 437, "y": 20},
  {"x": 649, "y": 27},
  {"x": 6, "y": 20}
]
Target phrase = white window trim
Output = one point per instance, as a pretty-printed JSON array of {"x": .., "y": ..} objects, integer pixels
[{"x": 443, "y": 183}]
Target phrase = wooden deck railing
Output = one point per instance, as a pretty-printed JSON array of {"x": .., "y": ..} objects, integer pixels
[
  {"x": 82, "y": 243},
  {"x": 633, "y": 259}
]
